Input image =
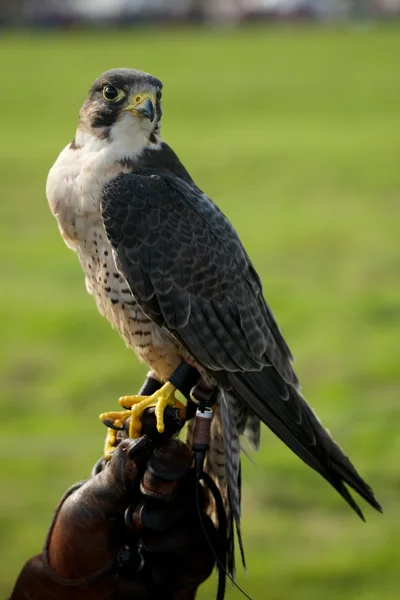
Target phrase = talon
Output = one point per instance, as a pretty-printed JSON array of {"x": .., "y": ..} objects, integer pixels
[
  {"x": 114, "y": 420},
  {"x": 134, "y": 407},
  {"x": 112, "y": 425}
]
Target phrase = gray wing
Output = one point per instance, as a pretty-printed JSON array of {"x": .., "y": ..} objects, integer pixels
[{"x": 190, "y": 273}]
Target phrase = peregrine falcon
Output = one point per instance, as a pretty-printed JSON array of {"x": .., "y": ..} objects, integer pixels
[{"x": 168, "y": 270}]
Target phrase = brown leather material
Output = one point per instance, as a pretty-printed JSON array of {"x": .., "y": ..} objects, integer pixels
[
  {"x": 170, "y": 461},
  {"x": 202, "y": 393},
  {"x": 91, "y": 555},
  {"x": 91, "y": 512},
  {"x": 34, "y": 583},
  {"x": 166, "y": 467},
  {"x": 173, "y": 540},
  {"x": 157, "y": 517}
]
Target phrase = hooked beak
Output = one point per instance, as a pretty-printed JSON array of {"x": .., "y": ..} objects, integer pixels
[
  {"x": 143, "y": 106},
  {"x": 146, "y": 109}
]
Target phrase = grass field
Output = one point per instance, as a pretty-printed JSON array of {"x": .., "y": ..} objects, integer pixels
[{"x": 295, "y": 133}]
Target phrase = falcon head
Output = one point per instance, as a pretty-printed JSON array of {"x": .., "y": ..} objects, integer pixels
[{"x": 123, "y": 103}]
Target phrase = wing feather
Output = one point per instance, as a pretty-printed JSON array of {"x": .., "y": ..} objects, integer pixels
[{"x": 190, "y": 273}]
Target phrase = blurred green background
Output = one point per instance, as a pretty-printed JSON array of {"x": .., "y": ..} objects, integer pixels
[{"x": 295, "y": 133}]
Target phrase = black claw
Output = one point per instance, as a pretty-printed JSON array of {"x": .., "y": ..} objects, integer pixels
[{"x": 111, "y": 425}]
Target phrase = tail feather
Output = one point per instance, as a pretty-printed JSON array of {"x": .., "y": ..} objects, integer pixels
[
  {"x": 227, "y": 404},
  {"x": 252, "y": 431},
  {"x": 284, "y": 410}
]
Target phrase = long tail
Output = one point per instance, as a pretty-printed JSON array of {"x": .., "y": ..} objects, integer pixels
[
  {"x": 284, "y": 410},
  {"x": 231, "y": 418}
]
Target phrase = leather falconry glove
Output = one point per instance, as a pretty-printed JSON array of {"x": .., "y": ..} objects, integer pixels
[{"x": 131, "y": 532}]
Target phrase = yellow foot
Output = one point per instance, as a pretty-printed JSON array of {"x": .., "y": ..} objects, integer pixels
[
  {"x": 162, "y": 398},
  {"x": 111, "y": 437}
]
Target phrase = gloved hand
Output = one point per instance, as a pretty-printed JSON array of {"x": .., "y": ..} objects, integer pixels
[{"x": 131, "y": 532}]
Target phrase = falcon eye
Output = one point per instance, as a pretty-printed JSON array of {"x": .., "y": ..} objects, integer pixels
[
  {"x": 111, "y": 93},
  {"x": 159, "y": 94}
]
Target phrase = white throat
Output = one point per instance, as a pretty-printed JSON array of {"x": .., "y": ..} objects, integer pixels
[
  {"x": 77, "y": 178},
  {"x": 128, "y": 137}
]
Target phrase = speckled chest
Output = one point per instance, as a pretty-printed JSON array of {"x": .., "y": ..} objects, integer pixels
[
  {"x": 74, "y": 189},
  {"x": 112, "y": 294}
]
